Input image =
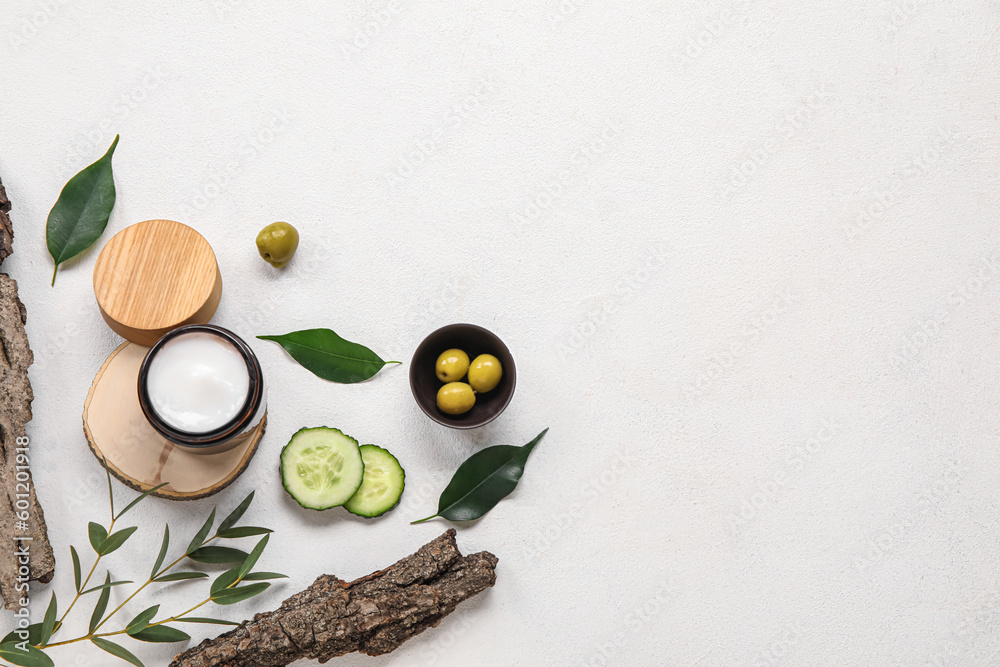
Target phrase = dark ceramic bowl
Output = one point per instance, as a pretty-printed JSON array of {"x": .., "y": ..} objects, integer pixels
[{"x": 475, "y": 340}]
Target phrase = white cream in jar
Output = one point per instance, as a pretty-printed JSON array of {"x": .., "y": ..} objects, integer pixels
[
  {"x": 201, "y": 387},
  {"x": 198, "y": 382}
]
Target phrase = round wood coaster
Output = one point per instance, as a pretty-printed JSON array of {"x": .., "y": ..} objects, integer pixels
[
  {"x": 136, "y": 454},
  {"x": 155, "y": 276}
]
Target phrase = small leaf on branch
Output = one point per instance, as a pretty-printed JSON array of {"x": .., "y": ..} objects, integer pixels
[
  {"x": 34, "y": 635},
  {"x": 163, "y": 552},
  {"x": 141, "y": 620},
  {"x": 258, "y": 576},
  {"x": 115, "y": 540},
  {"x": 102, "y": 604},
  {"x": 225, "y": 580},
  {"x": 161, "y": 634},
  {"x": 254, "y": 556},
  {"x": 180, "y": 576},
  {"x": 236, "y": 514},
  {"x": 49, "y": 622},
  {"x": 234, "y": 595},
  {"x": 199, "y": 538},
  {"x": 104, "y": 460},
  {"x": 145, "y": 495},
  {"x": 30, "y": 658},
  {"x": 243, "y": 531},
  {"x": 116, "y": 650},
  {"x": 199, "y": 619},
  {"x": 76, "y": 567},
  {"x": 218, "y": 555},
  {"x": 97, "y": 535},
  {"x": 105, "y": 585}
]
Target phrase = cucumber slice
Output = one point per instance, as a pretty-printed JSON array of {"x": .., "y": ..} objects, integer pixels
[
  {"x": 382, "y": 486},
  {"x": 321, "y": 467}
]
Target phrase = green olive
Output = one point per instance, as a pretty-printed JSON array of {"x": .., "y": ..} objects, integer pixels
[
  {"x": 456, "y": 398},
  {"x": 277, "y": 242},
  {"x": 485, "y": 373},
  {"x": 452, "y": 365}
]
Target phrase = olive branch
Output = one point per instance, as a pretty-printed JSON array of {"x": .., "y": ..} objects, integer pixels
[{"x": 27, "y": 647}]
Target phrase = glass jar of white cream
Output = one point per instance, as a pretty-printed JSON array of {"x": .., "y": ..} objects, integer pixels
[{"x": 201, "y": 387}]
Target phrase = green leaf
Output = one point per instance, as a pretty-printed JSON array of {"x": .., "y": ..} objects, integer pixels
[
  {"x": 483, "y": 480},
  {"x": 34, "y": 635},
  {"x": 81, "y": 213},
  {"x": 115, "y": 540},
  {"x": 254, "y": 556},
  {"x": 104, "y": 460},
  {"x": 141, "y": 620},
  {"x": 102, "y": 604},
  {"x": 161, "y": 634},
  {"x": 163, "y": 552},
  {"x": 224, "y": 580},
  {"x": 116, "y": 650},
  {"x": 49, "y": 622},
  {"x": 105, "y": 585},
  {"x": 97, "y": 535},
  {"x": 76, "y": 567},
  {"x": 244, "y": 531},
  {"x": 257, "y": 576},
  {"x": 218, "y": 555},
  {"x": 236, "y": 514},
  {"x": 199, "y": 538},
  {"x": 180, "y": 576},
  {"x": 329, "y": 356},
  {"x": 138, "y": 500},
  {"x": 234, "y": 595},
  {"x": 30, "y": 658},
  {"x": 200, "y": 619}
]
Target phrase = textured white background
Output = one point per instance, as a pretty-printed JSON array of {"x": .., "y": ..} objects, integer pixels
[{"x": 745, "y": 254}]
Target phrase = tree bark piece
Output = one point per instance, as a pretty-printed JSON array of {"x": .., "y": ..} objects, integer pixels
[
  {"x": 15, "y": 412},
  {"x": 373, "y": 614},
  {"x": 6, "y": 229}
]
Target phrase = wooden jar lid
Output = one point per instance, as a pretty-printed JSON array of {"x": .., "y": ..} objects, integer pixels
[{"x": 155, "y": 276}]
